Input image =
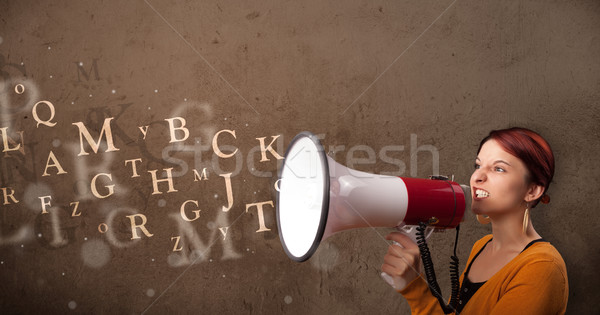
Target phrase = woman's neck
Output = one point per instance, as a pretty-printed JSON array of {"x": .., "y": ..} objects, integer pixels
[{"x": 507, "y": 231}]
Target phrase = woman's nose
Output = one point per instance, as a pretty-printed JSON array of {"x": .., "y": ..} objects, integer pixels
[{"x": 479, "y": 176}]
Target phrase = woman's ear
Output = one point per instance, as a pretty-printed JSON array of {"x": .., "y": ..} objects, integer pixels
[{"x": 534, "y": 192}]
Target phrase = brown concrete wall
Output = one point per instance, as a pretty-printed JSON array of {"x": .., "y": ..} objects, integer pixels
[{"x": 368, "y": 73}]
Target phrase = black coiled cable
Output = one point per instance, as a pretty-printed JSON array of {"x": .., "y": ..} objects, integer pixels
[{"x": 430, "y": 272}]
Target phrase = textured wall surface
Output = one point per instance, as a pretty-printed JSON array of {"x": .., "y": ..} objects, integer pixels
[{"x": 420, "y": 79}]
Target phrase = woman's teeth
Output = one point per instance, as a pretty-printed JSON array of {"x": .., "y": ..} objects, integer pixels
[{"x": 481, "y": 193}]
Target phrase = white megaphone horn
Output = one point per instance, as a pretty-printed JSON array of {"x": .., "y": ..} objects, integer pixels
[{"x": 318, "y": 197}]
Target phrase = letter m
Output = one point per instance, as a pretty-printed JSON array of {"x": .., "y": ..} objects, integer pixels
[
  {"x": 86, "y": 74},
  {"x": 105, "y": 132}
]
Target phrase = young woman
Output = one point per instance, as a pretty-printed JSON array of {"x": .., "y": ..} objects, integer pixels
[{"x": 513, "y": 270}]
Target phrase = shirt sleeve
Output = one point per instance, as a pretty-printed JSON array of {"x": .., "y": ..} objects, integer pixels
[
  {"x": 538, "y": 288},
  {"x": 420, "y": 299}
]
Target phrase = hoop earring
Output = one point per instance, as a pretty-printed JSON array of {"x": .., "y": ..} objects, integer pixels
[
  {"x": 483, "y": 219},
  {"x": 526, "y": 220}
]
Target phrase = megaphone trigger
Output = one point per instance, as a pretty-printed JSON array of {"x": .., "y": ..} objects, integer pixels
[{"x": 411, "y": 231}]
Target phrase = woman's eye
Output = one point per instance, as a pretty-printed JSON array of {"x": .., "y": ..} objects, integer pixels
[
  {"x": 500, "y": 169},
  {"x": 476, "y": 166}
]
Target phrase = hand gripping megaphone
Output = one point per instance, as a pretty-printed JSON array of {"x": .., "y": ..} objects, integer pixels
[{"x": 318, "y": 197}]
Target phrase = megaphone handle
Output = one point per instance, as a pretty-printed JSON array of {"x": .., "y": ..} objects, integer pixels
[{"x": 397, "y": 282}]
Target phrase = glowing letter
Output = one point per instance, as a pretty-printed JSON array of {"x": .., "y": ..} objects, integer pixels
[
  {"x": 198, "y": 177},
  {"x": 45, "y": 203},
  {"x": 6, "y": 139},
  {"x": 215, "y": 146},
  {"x": 229, "y": 192},
  {"x": 55, "y": 163},
  {"x": 263, "y": 149},
  {"x": 261, "y": 216},
  {"x": 6, "y": 195},
  {"x": 141, "y": 226},
  {"x": 95, "y": 191},
  {"x": 46, "y": 122},
  {"x": 155, "y": 181},
  {"x": 172, "y": 129},
  {"x": 182, "y": 210},
  {"x": 133, "y": 168},
  {"x": 83, "y": 132}
]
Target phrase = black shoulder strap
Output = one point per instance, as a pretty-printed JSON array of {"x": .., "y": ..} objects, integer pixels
[
  {"x": 472, "y": 260},
  {"x": 532, "y": 242}
]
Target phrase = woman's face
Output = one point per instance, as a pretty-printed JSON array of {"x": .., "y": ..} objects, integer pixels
[{"x": 499, "y": 183}]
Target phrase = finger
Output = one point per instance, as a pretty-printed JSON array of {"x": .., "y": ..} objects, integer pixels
[
  {"x": 399, "y": 262},
  {"x": 411, "y": 259},
  {"x": 390, "y": 270},
  {"x": 402, "y": 252},
  {"x": 396, "y": 250},
  {"x": 398, "y": 268},
  {"x": 410, "y": 252},
  {"x": 387, "y": 269},
  {"x": 395, "y": 262},
  {"x": 401, "y": 238}
]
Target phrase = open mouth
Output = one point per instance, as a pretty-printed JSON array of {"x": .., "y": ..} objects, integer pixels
[{"x": 480, "y": 193}]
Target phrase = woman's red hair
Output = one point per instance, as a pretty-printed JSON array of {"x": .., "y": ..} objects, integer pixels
[{"x": 531, "y": 149}]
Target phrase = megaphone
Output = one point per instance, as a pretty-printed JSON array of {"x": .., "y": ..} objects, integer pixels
[{"x": 318, "y": 197}]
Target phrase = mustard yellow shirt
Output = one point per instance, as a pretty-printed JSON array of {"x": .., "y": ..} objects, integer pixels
[{"x": 534, "y": 282}]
